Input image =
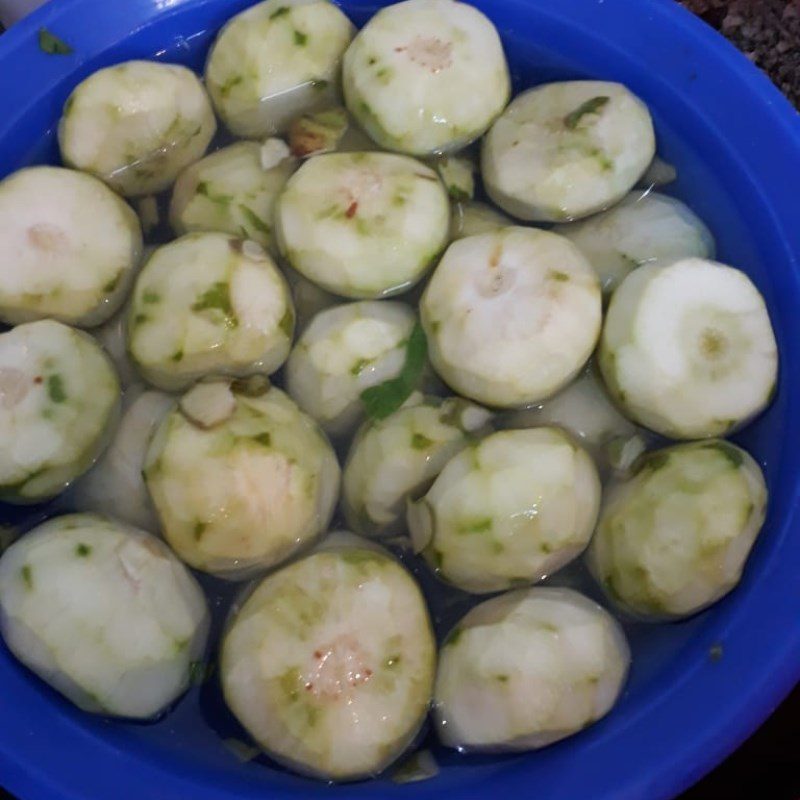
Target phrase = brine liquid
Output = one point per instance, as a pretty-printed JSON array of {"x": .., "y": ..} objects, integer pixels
[{"x": 201, "y": 718}]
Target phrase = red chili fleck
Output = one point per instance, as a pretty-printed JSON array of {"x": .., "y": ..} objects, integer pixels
[
  {"x": 309, "y": 687},
  {"x": 351, "y": 211},
  {"x": 38, "y": 379},
  {"x": 317, "y": 654}
]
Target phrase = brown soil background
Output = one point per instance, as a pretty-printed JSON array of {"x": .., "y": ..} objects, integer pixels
[{"x": 766, "y": 31}]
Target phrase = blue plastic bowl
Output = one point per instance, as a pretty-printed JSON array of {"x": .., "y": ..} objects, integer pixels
[{"x": 736, "y": 142}]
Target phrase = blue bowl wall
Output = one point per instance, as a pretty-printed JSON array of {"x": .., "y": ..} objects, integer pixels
[{"x": 736, "y": 144}]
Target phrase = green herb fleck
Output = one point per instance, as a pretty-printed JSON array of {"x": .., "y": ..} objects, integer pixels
[
  {"x": 452, "y": 637},
  {"x": 55, "y": 389},
  {"x": 501, "y": 678},
  {"x": 263, "y": 439},
  {"x": 280, "y": 12},
  {"x": 50, "y": 43},
  {"x": 82, "y": 550},
  {"x": 312, "y": 716},
  {"x": 300, "y": 38},
  {"x": 204, "y": 190},
  {"x": 27, "y": 576},
  {"x": 715, "y": 652},
  {"x": 217, "y": 297},
  {"x": 589, "y": 107},
  {"x": 392, "y": 661},
  {"x": 226, "y": 87},
  {"x": 8, "y": 535},
  {"x": 728, "y": 450},
  {"x": 420, "y": 442},
  {"x": 254, "y": 220},
  {"x": 384, "y": 399},
  {"x": 150, "y": 297},
  {"x": 609, "y": 584},
  {"x": 559, "y": 276},
  {"x": 112, "y": 284},
  {"x": 477, "y": 526},
  {"x": 605, "y": 162},
  {"x": 451, "y": 412},
  {"x": 175, "y": 128},
  {"x": 290, "y": 681},
  {"x": 199, "y": 530},
  {"x": 457, "y": 194},
  {"x": 200, "y": 672},
  {"x": 438, "y": 558},
  {"x": 319, "y": 85},
  {"x": 359, "y": 366},
  {"x": 656, "y": 461},
  {"x": 180, "y": 645},
  {"x": 140, "y": 318},
  {"x": 251, "y": 386},
  {"x": 286, "y": 325},
  {"x": 177, "y": 356}
]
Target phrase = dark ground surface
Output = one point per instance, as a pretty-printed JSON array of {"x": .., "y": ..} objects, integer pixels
[
  {"x": 766, "y": 766},
  {"x": 766, "y": 31}
]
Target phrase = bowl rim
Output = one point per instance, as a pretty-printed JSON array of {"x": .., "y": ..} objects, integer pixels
[{"x": 768, "y": 678}]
